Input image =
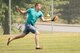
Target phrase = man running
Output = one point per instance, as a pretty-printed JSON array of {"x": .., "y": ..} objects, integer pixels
[{"x": 33, "y": 15}]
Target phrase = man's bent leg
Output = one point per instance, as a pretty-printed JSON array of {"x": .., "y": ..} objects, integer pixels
[
  {"x": 25, "y": 32},
  {"x": 15, "y": 37}
]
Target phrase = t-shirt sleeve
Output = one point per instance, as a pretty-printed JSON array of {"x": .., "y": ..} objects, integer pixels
[
  {"x": 41, "y": 15},
  {"x": 28, "y": 10}
]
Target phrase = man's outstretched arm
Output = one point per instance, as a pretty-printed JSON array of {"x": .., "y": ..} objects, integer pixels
[
  {"x": 45, "y": 20},
  {"x": 55, "y": 18},
  {"x": 21, "y": 11}
]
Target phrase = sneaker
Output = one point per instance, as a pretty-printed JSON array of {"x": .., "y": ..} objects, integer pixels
[{"x": 39, "y": 48}]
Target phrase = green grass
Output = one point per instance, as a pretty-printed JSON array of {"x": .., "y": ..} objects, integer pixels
[{"x": 51, "y": 42}]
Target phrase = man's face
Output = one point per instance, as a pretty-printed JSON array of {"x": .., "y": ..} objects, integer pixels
[{"x": 39, "y": 6}]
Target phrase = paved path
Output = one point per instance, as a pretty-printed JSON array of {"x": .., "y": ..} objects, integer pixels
[{"x": 59, "y": 28}]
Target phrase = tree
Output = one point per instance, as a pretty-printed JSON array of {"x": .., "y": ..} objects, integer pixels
[
  {"x": 5, "y": 16},
  {"x": 71, "y": 11}
]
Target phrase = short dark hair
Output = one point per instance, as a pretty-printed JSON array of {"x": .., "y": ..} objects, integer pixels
[{"x": 37, "y": 3}]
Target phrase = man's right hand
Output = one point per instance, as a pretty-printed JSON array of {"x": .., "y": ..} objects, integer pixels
[
  {"x": 17, "y": 8},
  {"x": 20, "y": 10}
]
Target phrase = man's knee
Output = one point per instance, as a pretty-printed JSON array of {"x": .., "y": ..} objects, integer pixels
[
  {"x": 37, "y": 33},
  {"x": 23, "y": 35}
]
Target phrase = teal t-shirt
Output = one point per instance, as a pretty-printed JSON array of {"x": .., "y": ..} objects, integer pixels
[{"x": 33, "y": 15}]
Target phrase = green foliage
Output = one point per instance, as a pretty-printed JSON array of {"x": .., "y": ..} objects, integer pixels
[
  {"x": 67, "y": 10},
  {"x": 70, "y": 12}
]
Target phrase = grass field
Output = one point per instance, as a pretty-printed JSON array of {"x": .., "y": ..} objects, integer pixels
[{"x": 51, "y": 42}]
